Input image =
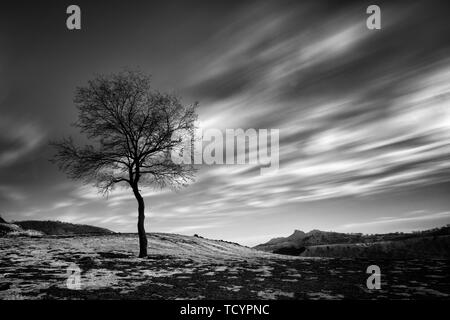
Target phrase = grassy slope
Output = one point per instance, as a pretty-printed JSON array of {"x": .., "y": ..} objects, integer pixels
[{"x": 182, "y": 267}]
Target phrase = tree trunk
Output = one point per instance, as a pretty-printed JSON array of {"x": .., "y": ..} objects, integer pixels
[{"x": 140, "y": 225}]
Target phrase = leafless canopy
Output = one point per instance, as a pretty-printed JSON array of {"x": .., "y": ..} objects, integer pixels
[{"x": 131, "y": 128}]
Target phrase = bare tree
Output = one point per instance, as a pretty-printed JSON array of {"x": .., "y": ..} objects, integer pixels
[{"x": 132, "y": 128}]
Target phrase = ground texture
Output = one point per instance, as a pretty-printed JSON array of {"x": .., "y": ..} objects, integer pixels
[{"x": 181, "y": 267}]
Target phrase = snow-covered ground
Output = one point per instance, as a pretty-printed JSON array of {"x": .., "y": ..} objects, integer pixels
[{"x": 182, "y": 267}]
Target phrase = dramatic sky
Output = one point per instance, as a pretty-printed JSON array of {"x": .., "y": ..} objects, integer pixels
[{"x": 364, "y": 115}]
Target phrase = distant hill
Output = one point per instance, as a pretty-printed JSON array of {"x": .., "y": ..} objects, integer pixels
[
  {"x": 301, "y": 239},
  {"x": 41, "y": 228},
  {"x": 11, "y": 229},
  {"x": 433, "y": 243},
  {"x": 8, "y": 227},
  {"x": 61, "y": 228}
]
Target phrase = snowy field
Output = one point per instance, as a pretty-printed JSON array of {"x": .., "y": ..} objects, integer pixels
[{"x": 182, "y": 267}]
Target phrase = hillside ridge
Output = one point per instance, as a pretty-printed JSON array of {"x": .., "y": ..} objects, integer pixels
[
  {"x": 49, "y": 227},
  {"x": 433, "y": 242}
]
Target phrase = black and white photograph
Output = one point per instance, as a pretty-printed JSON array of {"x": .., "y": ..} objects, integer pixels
[{"x": 225, "y": 151}]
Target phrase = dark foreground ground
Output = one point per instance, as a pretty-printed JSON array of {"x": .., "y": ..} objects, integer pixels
[{"x": 181, "y": 267}]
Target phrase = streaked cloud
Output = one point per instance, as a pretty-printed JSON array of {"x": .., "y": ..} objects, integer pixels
[
  {"x": 18, "y": 139},
  {"x": 389, "y": 131},
  {"x": 442, "y": 216}
]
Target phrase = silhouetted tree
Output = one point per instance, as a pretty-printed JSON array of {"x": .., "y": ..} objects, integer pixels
[{"x": 132, "y": 128}]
